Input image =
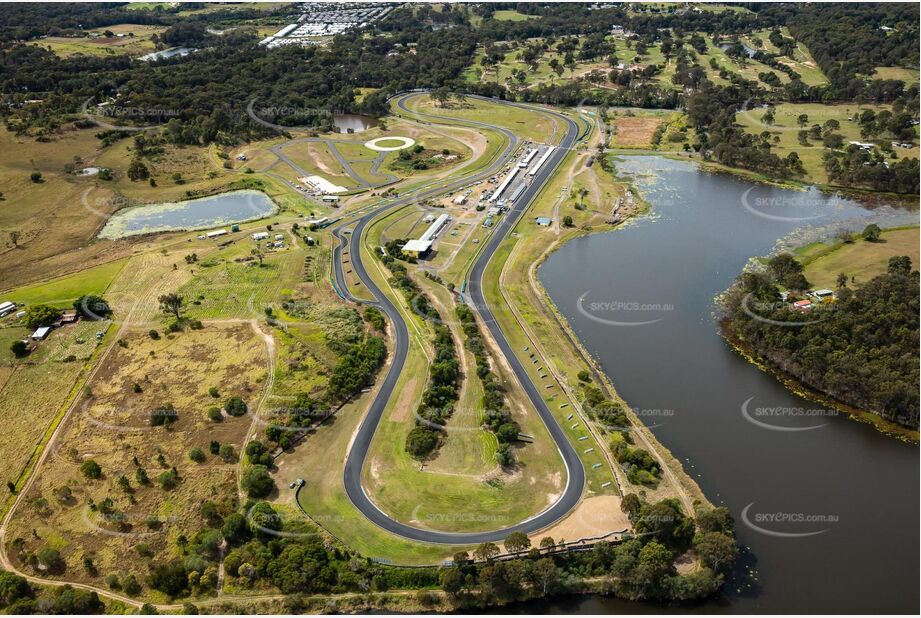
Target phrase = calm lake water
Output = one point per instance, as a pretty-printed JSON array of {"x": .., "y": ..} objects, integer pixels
[
  {"x": 837, "y": 502},
  {"x": 198, "y": 214},
  {"x": 356, "y": 122}
]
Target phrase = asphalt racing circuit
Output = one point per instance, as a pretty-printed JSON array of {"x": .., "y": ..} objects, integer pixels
[{"x": 358, "y": 451}]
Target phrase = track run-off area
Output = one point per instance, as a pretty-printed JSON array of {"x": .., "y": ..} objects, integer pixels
[{"x": 351, "y": 233}]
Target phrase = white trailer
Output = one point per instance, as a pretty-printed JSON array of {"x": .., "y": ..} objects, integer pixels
[
  {"x": 505, "y": 183},
  {"x": 541, "y": 161}
]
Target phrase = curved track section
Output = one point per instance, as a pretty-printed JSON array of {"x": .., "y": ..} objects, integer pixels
[{"x": 362, "y": 442}]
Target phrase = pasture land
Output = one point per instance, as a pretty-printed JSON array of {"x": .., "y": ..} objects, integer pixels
[
  {"x": 785, "y": 127},
  {"x": 128, "y": 39},
  {"x": 860, "y": 260}
]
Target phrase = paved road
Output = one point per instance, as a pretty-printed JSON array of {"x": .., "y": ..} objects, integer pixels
[
  {"x": 359, "y": 449},
  {"x": 361, "y": 181}
]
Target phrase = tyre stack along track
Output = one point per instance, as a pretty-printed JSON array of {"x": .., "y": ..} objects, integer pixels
[{"x": 575, "y": 479}]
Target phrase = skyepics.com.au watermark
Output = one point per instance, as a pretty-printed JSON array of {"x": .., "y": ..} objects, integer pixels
[
  {"x": 789, "y": 208},
  {"x": 616, "y": 312},
  {"x": 774, "y": 417},
  {"x": 786, "y": 313},
  {"x": 141, "y": 118},
  {"x": 296, "y": 115},
  {"x": 787, "y": 524}
]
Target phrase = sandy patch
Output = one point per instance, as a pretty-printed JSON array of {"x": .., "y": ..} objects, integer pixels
[
  {"x": 593, "y": 517},
  {"x": 401, "y": 411}
]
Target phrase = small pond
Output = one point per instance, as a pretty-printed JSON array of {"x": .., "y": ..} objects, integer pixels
[{"x": 197, "y": 214}]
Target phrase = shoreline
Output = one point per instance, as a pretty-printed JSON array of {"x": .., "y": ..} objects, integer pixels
[{"x": 797, "y": 387}]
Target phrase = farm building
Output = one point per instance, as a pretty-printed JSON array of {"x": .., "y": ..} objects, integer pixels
[
  {"x": 7, "y": 307},
  {"x": 460, "y": 200},
  {"x": 41, "y": 333},
  {"x": 417, "y": 248},
  {"x": 216, "y": 233},
  {"x": 260, "y": 235},
  {"x": 543, "y": 221}
]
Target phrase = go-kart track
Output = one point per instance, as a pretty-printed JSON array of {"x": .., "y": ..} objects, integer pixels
[{"x": 358, "y": 450}]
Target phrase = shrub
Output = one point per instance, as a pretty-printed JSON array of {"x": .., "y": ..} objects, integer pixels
[
  {"x": 421, "y": 441},
  {"x": 163, "y": 416},
  {"x": 213, "y": 392},
  {"x": 197, "y": 455},
  {"x": 214, "y": 413},
  {"x": 91, "y": 469},
  {"x": 19, "y": 348},
  {"x": 153, "y": 334},
  {"x": 235, "y": 406},
  {"x": 257, "y": 482}
]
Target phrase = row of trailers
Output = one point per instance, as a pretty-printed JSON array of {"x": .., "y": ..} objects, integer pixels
[{"x": 525, "y": 176}]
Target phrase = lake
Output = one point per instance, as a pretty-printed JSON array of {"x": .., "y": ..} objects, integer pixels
[
  {"x": 356, "y": 122},
  {"x": 197, "y": 214},
  {"x": 830, "y": 507}
]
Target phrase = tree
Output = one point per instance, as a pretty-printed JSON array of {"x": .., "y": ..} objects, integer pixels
[
  {"x": 802, "y": 120},
  {"x": 164, "y": 415},
  {"x": 842, "y": 280},
  {"x": 516, "y": 541},
  {"x": 197, "y": 455},
  {"x": 35, "y": 177},
  {"x": 899, "y": 265},
  {"x": 171, "y": 303},
  {"x": 871, "y": 233},
  {"x": 91, "y": 469},
  {"x": 19, "y": 348},
  {"x": 257, "y": 482},
  {"x": 787, "y": 271},
  {"x": 41, "y": 315},
  {"x": 235, "y": 406},
  {"x": 259, "y": 254},
  {"x": 235, "y": 529},
  {"x": 716, "y": 550},
  {"x": 547, "y": 543},
  {"x": 50, "y": 558},
  {"x": 92, "y": 307},
  {"x": 567, "y": 221},
  {"x": 485, "y": 552},
  {"x": 13, "y": 588},
  {"x": 546, "y": 575},
  {"x": 452, "y": 581},
  {"x": 138, "y": 171}
]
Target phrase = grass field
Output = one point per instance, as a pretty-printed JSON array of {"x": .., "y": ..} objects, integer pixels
[
  {"x": 61, "y": 292},
  {"x": 861, "y": 260},
  {"x": 511, "y": 15},
  {"x": 909, "y": 76},
  {"x": 111, "y": 427},
  {"x": 135, "y": 40},
  {"x": 786, "y": 128}
]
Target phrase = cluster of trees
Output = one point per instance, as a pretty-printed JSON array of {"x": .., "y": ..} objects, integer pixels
[
  {"x": 439, "y": 396},
  {"x": 356, "y": 368},
  {"x": 861, "y": 351},
  {"x": 19, "y": 597},
  {"x": 498, "y": 417},
  {"x": 856, "y": 167},
  {"x": 639, "y": 465},
  {"x": 640, "y": 568}
]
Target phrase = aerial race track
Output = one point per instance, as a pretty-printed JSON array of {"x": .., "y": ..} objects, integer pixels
[{"x": 358, "y": 451}]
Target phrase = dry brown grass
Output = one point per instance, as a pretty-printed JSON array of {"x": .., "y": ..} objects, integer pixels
[
  {"x": 111, "y": 426},
  {"x": 635, "y": 131}
]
